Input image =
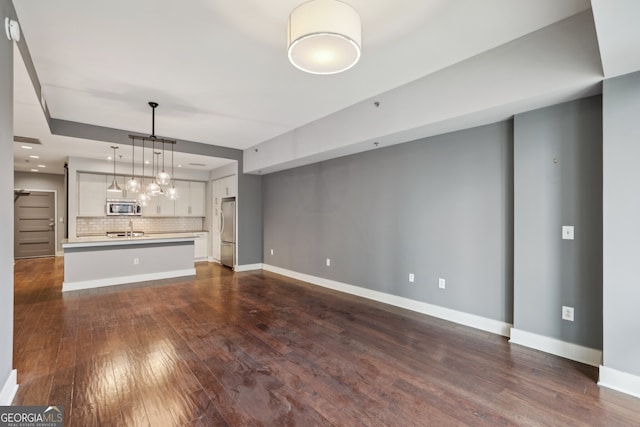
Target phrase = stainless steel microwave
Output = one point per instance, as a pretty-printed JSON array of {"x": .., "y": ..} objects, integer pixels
[{"x": 123, "y": 207}]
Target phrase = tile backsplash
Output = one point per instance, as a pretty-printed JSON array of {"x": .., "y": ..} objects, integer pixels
[{"x": 94, "y": 226}]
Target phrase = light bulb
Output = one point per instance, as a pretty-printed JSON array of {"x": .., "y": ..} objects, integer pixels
[
  {"x": 133, "y": 186},
  {"x": 163, "y": 178},
  {"x": 171, "y": 193},
  {"x": 152, "y": 189},
  {"x": 143, "y": 199}
]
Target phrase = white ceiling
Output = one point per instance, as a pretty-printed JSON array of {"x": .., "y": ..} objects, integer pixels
[
  {"x": 29, "y": 121},
  {"x": 219, "y": 68}
]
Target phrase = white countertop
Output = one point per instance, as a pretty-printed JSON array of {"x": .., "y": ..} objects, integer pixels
[{"x": 89, "y": 241}]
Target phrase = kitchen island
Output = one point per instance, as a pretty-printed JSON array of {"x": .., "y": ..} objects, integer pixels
[{"x": 96, "y": 261}]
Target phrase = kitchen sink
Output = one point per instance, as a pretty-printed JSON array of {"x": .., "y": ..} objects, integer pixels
[{"x": 125, "y": 234}]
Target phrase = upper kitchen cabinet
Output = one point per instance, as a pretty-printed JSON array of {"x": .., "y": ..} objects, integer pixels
[
  {"x": 191, "y": 198},
  {"x": 224, "y": 187},
  {"x": 159, "y": 206},
  {"x": 92, "y": 194}
]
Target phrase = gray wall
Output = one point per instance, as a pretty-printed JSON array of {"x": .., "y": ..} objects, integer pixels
[
  {"x": 621, "y": 122},
  {"x": 6, "y": 196},
  {"x": 438, "y": 207},
  {"x": 558, "y": 181},
  {"x": 43, "y": 181}
]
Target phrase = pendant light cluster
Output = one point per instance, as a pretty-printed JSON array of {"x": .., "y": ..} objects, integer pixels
[{"x": 159, "y": 178}]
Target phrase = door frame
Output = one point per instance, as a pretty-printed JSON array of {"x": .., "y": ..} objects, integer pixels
[{"x": 55, "y": 216}]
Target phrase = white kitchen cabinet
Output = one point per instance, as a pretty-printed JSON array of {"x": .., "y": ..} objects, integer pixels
[
  {"x": 197, "y": 198},
  {"x": 217, "y": 191},
  {"x": 201, "y": 245},
  {"x": 191, "y": 197},
  {"x": 159, "y": 206},
  {"x": 215, "y": 245},
  {"x": 92, "y": 194},
  {"x": 231, "y": 187},
  {"x": 224, "y": 187}
]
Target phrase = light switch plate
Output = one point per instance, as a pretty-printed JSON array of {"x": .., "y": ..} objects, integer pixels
[
  {"x": 442, "y": 283},
  {"x": 567, "y": 232}
]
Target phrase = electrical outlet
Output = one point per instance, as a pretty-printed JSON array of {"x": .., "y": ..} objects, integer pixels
[
  {"x": 567, "y": 313},
  {"x": 412, "y": 278},
  {"x": 136, "y": 261},
  {"x": 271, "y": 251},
  {"x": 567, "y": 232},
  {"x": 328, "y": 262},
  {"x": 442, "y": 284}
]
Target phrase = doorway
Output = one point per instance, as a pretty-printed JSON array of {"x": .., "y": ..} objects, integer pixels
[{"x": 34, "y": 224}]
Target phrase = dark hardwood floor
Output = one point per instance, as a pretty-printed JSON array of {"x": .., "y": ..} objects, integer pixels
[{"x": 260, "y": 349}]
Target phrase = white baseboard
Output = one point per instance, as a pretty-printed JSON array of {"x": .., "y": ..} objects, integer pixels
[
  {"x": 9, "y": 389},
  {"x": 98, "y": 283},
  {"x": 478, "y": 322},
  {"x": 619, "y": 381},
  {"x": 589, "y": 356},
  {"x": 248, "y": 267}
]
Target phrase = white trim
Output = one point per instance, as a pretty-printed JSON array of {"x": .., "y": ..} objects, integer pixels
[
  {"x": 619, "y": 381},
  {"x": 589, "y": 356},
  {"x": 9, "y": 389},
  {"x": 248, "y": 267},
  {"x": 98, "y": 283},
  {"x": 478, "y": 322},
  {"x": 60, "y": 253}
]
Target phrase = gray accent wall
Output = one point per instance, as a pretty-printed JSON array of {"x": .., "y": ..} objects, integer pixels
[
  {"x": 621, "y": 122},
  {"x": 436, "y": 207},
  {"x": 558, "y": 181},
  {"x": 47, "y": 182},
  {"x": 6, "y": 195}
]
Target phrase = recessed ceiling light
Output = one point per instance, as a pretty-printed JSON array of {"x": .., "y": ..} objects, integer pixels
[
  {"x": 146, "y": 162},
  {"x": 34, "y": 157},
  {"x": 26, "y": 147},
  {"x": 109, "y": 158},
  {"x": 42, "y": 166},
  {"x": 179, "y": 166},
  {"x": 35, "y": 170}
]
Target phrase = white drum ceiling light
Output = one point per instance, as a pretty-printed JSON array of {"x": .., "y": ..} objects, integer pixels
[{"x": 324, "y": 37}]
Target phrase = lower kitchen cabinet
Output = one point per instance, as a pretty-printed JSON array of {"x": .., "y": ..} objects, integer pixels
[{"x": 201, "y": 245}]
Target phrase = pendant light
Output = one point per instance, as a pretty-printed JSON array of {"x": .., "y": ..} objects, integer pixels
[
  {"x": 114, "y": 187},
  {"x": 172, "y": 193},
  {"x": 143, "y": 198},
  {"x": 153, "y": 189},
  {"x": 133, "y": 186},
  {"x": 163, "y": 178},
  {"x": 161, "y": 191},
  {"x": 158, "y": 178}
]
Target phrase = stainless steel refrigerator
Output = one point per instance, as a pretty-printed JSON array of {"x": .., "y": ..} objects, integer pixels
[{"x": 228, "y": 232}]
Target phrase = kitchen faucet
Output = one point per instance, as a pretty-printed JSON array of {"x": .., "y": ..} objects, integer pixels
[{"x": 131, "y": 228}]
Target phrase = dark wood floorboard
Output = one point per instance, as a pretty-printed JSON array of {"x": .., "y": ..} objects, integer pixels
[{"x": 258, "y": 349}]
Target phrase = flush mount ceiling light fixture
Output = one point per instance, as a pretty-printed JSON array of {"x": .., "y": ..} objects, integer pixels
[{"x": 324, "y": 37}]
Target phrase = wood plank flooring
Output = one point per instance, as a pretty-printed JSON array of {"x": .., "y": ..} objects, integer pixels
[{"x": 258, "y": 349}]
